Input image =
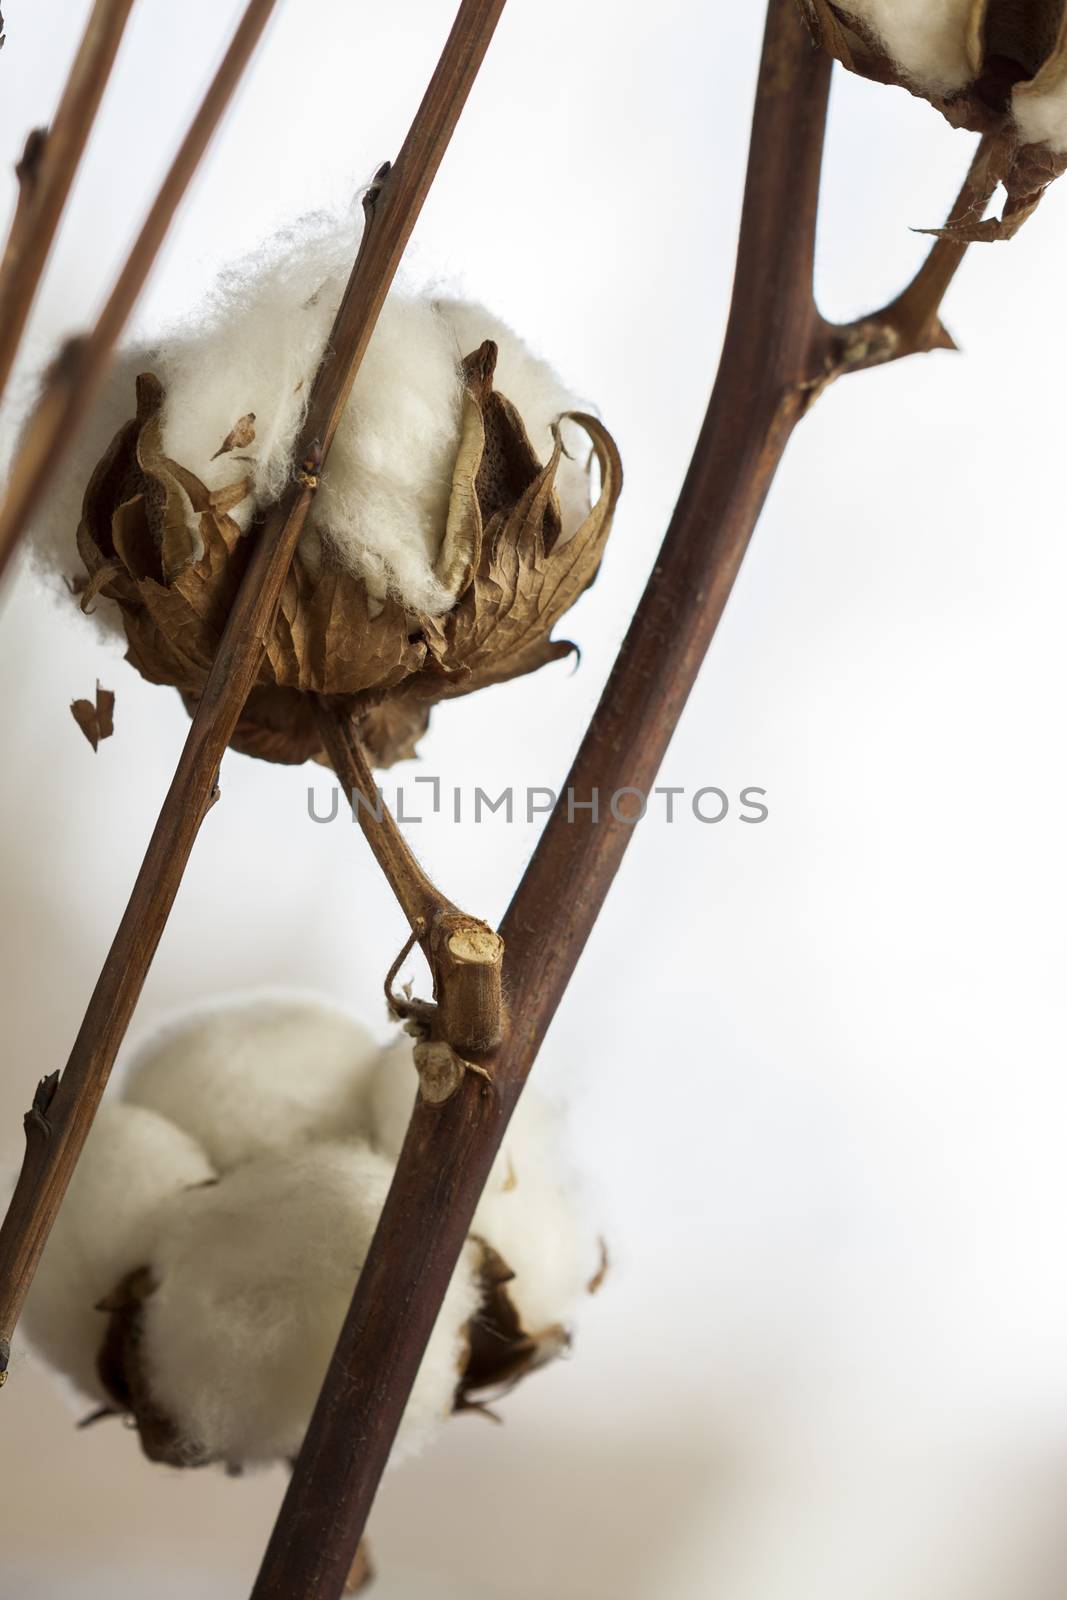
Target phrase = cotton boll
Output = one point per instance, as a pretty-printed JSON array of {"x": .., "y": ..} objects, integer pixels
[
  {"x": 255, "y": 1275},
  {"x": 257, "y": 1074},
  {"x": 133, "y": 1160},
  {"x": 384, "y": 492},
  {"x": 927, "y": 38}
]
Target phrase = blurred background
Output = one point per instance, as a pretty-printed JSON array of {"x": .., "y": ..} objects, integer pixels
[{"x": 816, "y": 1066}]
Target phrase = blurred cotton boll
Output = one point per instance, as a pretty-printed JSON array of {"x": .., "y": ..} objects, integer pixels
[{"x": 222, "y": 1213}]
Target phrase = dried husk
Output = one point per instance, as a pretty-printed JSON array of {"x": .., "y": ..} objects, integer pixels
[
  {"x": 1015, "y": 47},
  {"x": 500, "y": 1351},
  {"x": 168, "y": 550}
]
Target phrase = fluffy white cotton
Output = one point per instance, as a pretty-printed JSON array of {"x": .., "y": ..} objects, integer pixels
[
  {"x": 257, "y": 1074},
  {"x": 927, "y": 38},
  {"x": 1041, "y": 114},
  {"x": 246, "y": 1169},
  {"x": 107, "y": 1227},
  {"x": 384, "y": 493},
  {"x": 255, "y": 1275}
]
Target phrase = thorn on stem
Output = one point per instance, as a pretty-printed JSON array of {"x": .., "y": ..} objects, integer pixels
[
  {"x": 36, "y": 1118},
  {"x": 28, "y": 165},
  {"x": 373, "y": 192}
]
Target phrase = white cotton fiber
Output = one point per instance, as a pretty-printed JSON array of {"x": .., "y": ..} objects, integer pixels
[
  {"x": 132, "y": 1161},
  {"x": 255, "y": 1277},
  {"x": 257, "y": 1074},
  {"x": 246, "y": 1170},
  {"x": 927, "y": 38},
  {"x": 384, "y": 492},
  {"x": 1041, "y": 115}
]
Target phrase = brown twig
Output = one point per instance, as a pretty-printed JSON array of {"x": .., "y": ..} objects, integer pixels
[
  {"x": 80, "y": 367},
  {"x": 45, "y": 173},
  {"x": 464, "y": 954},
  {"x": 911, "y": 323},
  {"x": 774, "y": 358},
  {"x": 393, "y": 204},
  {"x": 419, "y": 899}
]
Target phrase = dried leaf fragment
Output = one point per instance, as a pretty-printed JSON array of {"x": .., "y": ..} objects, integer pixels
[
  {"x": 95, "y": 719},
  {"x": 239, "y": 437}
]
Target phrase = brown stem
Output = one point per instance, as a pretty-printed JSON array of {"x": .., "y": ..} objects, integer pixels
[
  {"x": 419, "y": 899},
  {"x": 46, "y": 171},
  {"x": 392, "y": 211},
  {"x": 465, "y": 955},
  {"x": 911, "y": 323},
  {"x": 79, "y": 369}
]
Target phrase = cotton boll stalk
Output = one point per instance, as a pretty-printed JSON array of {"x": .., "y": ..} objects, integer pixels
[
  {"x": 450, "y": 529},
  {"x": 257, "y": 1074},
  {"x": 253, "y": 1277},
  {"x": 133, "y": 1161}
]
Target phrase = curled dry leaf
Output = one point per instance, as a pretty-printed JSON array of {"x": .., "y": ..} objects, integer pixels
[
  {"x": 154, "y": 539},
  {"x": 239, "y": 437},
  {"x": 1016, "y": 53}
]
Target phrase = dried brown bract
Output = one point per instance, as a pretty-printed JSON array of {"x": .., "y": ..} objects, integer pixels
[{"x": 168, "y": 551}]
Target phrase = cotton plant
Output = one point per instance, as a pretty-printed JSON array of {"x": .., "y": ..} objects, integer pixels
[
  {"x": 453, "y": 523},
  {"x": 199, "y": 1272},
  {"x": 996, "y": 67}
]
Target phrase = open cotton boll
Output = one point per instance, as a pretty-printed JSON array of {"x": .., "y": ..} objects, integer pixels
[
  {"x": 133, "y": 1160},
  {"x": 254, "y": 1277},
  {"x": 384, "y": 492},
  {"x": 927, "y": 38},
  {"x": 257, "y": 1073},
  {"x": 201, "y": 1266}
]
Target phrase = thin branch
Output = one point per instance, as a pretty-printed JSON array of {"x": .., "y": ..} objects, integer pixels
[
  {"x": 419, "y": 898},
  {"x": 911, "y": 323},
  {"x": 79, "y": 369},
  {"x": 46, "y": 171},
  {"x": 392, "y": 208},
  {"x": 774, "y": 361},
  {"x": 464, "y": 954}
]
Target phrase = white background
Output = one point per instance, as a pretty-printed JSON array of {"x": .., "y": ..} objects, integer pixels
[{"x": 816, "y": 1066}]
